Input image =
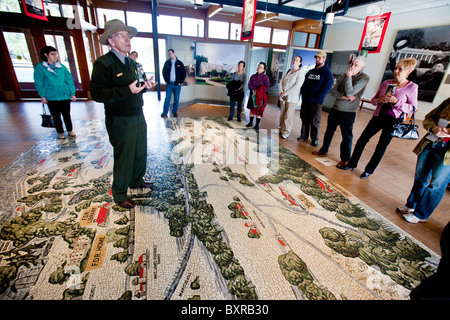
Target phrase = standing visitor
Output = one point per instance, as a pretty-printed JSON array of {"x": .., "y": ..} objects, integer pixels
[{"x": 289, "y": 88}]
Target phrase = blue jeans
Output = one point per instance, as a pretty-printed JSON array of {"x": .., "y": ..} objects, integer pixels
[
  {"x": 239, "y": 108},
  {"x": 426, "y": 194},
  {"x": 175, "y": 89}
]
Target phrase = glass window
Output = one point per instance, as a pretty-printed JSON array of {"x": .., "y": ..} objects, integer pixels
[
  {"x": 108, "y": 14},
  {"x": 262, "y": 34},
  {"x": 193, "y": 27},
  {"x": 10, "y": 6},
  {"x": 235, "y": 31},
  {"x": 52, "y": 9},
  {"x": 144, "y": 48},
  {"x": 300, "y": 39},
  {"x": 280, "y": 36},
  {"x": 218, "y": 29},
  {"x": 20, "y": 56},
  {"x": 86, "y": 36},
  {"x": 312, "y": 40},
  {"x": 162, "y": 57},
  {"x": 141, "y": 21},
  {"x": 169, "y": 25},
  {"x": 67, "y": 11}
]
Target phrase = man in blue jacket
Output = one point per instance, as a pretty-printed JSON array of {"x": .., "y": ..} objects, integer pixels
[
  {"x": 318, "y": 83},
  {"x": 174, "y": 74}
]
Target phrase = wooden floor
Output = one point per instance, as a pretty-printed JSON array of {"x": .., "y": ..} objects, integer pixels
[{"x": 384, "y": 190}]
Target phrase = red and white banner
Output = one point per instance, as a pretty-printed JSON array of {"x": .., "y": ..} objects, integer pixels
[
  {"x": 34, "y": 9},
  {"x": 373, "y": 34},
  {"x": 248, "y": 19}
]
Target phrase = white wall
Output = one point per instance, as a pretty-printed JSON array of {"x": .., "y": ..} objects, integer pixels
[{"x": 347, "y": 36}]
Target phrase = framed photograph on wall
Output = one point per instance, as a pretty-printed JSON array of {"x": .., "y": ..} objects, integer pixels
[
  {"x": 34, "y": 9},
  {"x": 373, "y": 33},
  {"x": 430, "y": 47}
]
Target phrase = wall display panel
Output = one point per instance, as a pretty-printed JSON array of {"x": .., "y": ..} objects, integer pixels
[
  {"x": 216, "y": 61},
  {"x": 431, "y": 48},
  {"x": 308, "y": 62},
  {"x": 208, "y": 68}
]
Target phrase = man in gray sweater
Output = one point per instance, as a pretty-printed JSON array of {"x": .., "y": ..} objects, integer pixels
[{"x": 348, "y": 92}]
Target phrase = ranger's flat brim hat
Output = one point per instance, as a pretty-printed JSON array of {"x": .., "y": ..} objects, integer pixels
[{"x": 114, "y": 26}]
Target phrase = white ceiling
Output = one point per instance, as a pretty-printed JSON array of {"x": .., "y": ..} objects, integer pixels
[{"x": 355, "y": 14}]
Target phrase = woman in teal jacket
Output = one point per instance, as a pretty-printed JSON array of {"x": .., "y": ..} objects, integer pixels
[{"x": 55, "y": 86}]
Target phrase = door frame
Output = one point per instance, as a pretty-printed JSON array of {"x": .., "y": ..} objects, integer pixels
[{"x": 10, "y": 89}]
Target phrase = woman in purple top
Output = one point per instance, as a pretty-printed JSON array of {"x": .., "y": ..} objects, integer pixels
[
  {"x": 392, "y": 107},
  {"x": 259, "y": 84}
]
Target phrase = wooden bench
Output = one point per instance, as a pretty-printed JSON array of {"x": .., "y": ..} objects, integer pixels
[{"x": 361, "y": 106}]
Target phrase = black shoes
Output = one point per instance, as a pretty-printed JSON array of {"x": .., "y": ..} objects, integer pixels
[
  {"x": 315, "y": 143},
  {"x": 344, "y": 167},
  {"x": 364, "y": 175},
  {"x": 301, "y": 138}
]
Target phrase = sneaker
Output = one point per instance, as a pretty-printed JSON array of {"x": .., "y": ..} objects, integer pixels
[
  {"x": 163, "y": 115},
  {"x": 315, "y": 143},
  {"x": 404, "y": 210},
  {"x": 284, "y": 136},
  {"x": 175, "y": 115},
  {"x": 61, "y": 136},
  {"x": 301, "y": 138},
  {"x": 411, "y": 218}
]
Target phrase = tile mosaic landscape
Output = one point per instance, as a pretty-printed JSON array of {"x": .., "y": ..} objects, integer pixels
[{"x": 233, "y": 215}]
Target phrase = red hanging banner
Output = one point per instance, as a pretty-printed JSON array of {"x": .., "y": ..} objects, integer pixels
[
  {"x": 248, "y": 19},
  {"x": 34, "y": 9},
  {"x": 373, "y": 33}
]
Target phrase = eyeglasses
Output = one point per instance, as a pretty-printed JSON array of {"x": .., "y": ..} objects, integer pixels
[{"x": 122, "y": 35}]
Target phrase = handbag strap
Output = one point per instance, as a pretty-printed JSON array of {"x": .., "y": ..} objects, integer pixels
[
  {"x": 413, "y": 115},
  {"x": 44, "y": 111}
]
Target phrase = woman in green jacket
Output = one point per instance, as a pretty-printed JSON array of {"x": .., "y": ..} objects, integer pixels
[{"x": 55, "y": 86}]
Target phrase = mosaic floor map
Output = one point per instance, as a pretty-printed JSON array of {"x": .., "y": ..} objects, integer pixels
[{"x": 233, "y": 215}]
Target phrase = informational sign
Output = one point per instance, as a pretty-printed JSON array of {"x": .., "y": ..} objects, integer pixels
[
  {"x": 248, "y": 19},
  {"x": 373, "y": 33}
]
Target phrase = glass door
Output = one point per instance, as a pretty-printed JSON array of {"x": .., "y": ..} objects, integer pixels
[
  {"x": 63, "y": 42},
  {"x": 16, "y": 41}
]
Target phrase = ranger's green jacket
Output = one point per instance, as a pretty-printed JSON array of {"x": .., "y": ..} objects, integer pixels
[{"x": 110, "y": 84}]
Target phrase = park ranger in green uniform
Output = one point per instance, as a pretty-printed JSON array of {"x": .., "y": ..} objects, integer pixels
[{"x": 115, "y": 83}]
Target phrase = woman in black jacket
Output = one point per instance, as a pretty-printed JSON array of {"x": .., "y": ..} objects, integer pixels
[{"x": 236, "y": 90}]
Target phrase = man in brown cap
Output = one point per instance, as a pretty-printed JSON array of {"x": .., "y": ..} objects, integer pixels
[
  {"x": 114, "y": 82},
  {"x": 318, "y": 82}
]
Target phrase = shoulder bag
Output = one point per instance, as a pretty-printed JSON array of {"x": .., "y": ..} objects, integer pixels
[
  {"x": 404, "y": 130},
  {"x": 47, "y": 119}
]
